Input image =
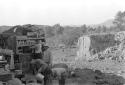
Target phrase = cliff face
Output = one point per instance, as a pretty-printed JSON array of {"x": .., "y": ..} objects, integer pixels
[
  {"x": 116, "y": 52},
  {"x": 83, "y": 47},
  {"x": 100, "y": 45}
]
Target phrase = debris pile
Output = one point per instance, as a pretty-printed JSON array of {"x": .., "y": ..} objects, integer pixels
[{"x": 116, "y": 52}]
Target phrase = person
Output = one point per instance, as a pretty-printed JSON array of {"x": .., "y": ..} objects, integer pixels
[
  {"x": 37, "y": 51},
  {"x": 37, "y": 66},
  {"x": 38, "y": 47},
  {"x": 47, "y": 56},
  {"x": 62, "y": 79},
  {"x": 40, "y": 67},
  {"x": 47, "y": 72}
]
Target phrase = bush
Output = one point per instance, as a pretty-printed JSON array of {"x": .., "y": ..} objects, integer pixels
[{"x": 71, "y": 38}]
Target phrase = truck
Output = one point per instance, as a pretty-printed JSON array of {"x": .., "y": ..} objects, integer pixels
[
  {"x": 17, "y": 48},
  {"x": 5, "y": 74}
]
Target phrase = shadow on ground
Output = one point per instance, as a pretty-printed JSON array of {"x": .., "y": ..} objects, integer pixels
[{"x": 90, "y": 77}]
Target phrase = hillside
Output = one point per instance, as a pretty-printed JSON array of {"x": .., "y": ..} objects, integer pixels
[
  {"x": 23, "y": 29},
  {"x": 4, "y": 28},
  {"x": 107, "y": 23}
]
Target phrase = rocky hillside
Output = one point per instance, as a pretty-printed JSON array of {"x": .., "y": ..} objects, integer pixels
[
  {"x": 110, "y": 60},
  {"x": 107, "y": 23}
]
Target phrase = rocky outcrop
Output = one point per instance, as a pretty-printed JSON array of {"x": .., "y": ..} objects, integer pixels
[
  {"x": 109, "y": 59},
  {"x": 83, "y": 47},
  {"x": 116, "y": 52},
  {"x": 92, "y": 44}
]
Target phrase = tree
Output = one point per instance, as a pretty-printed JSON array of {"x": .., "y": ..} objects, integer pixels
[
  {"x": 71, "y": 38},
  {"x": 98, "y": 29},
  {"x": 84, "y": 28},
  {"x": 60, "y": 30},
  {"x": 104, "y": 28},
  {"x": 50, "y": 32},
  {"x": 119, "y": 20},
  {"x": 91, "y": 30}
]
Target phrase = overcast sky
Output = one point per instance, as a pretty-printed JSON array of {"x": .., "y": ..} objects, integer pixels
[{"x": 65, "y": 12}]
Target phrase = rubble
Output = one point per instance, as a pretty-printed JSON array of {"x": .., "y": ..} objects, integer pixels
[{"x": 109, "y": 60}]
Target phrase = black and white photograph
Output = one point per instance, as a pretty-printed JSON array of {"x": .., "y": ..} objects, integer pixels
[{"x": 62, "y": 42}]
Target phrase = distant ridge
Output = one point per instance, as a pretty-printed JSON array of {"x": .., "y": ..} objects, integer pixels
[{"x": 107, "y": 23}]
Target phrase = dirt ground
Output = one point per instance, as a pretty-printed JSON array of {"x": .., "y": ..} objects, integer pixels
[
  {"x": 68, "y": 55},
  {"x": 71, "y": 82},
  {"x": 60, "y": 55},
  {"x": 63, "y": 55}
]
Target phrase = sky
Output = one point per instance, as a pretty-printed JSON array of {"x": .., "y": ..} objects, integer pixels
[{"x": 64, "y": 12}]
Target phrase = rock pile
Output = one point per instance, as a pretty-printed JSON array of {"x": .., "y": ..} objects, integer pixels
[
  {"x": 116, "y": 52},
  {"x": 106, "y": 59}
]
